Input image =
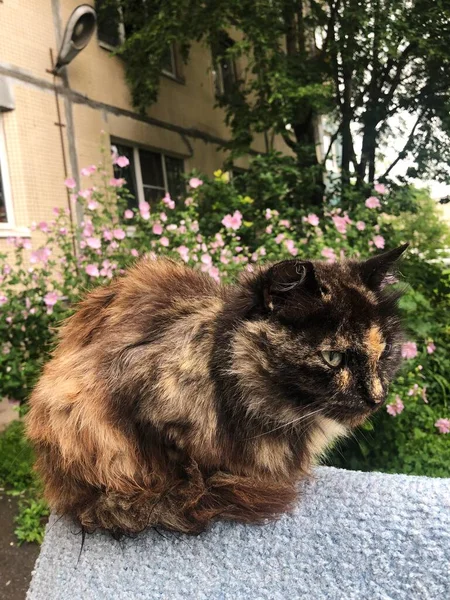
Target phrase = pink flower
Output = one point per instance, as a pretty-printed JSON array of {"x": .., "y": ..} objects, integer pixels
[
  {"x": 290, "y": 245},
  {"x": 113, "y": 182},
  {"x": 163, "y": 217},
  {"x": 280, "y": 237},
  {"x": 55, "y": 211},
  {"x": 329, "y": 254},
  {"x": 380, "y": 189},
  {"x": 409, "y": 350},
  {"x": 70, "y": 183},
  {"x": 206, "y": 259},
  {"x": 214, "y": 273},
  {"x": 269, "y": 229},
  {"x": 443, "y": 425},
  {"x": 86, "y": 194},
  {"x": 144, "y": 209},
  {"x": 108, "y": 235},
  {"x": 373, "y": 202},
  {"x": 119, "y": 234},
  {"x": 51, "y": 299},
  {"x": 188, "y": 201},
  {"x": 195, "y": 182},
  {"x": 134, "y": 252},
  {"x": 88, "y": 171},
  {"x": 128, "y": 214},
  {"x": 88, "y": 229},
  {"x": 121, "y": 161},
  {"x": 3, "y": 299},
  {"x": 378, "y": 240},
  {"x": 285, "y": 223},
  {"x": 157, "y": 229},
  {"x": 431, "y": 348},
  {"x": 92, "y": 270},
  {"x": 63, "y": 230},
  {"x": 183, "y": 252},
  {"x": 268, "y": 213},
  {"x": 360, "y": 225},
  {"x": 41, "y": 255},
  {"x": 94, "y": 243},
  {"x": 92, "y": 205},
  {"x": 396, "y": 407},
  {"x": 232, "y": 221},
  {"x": 340, "y": 223},
  {"x": 312, "y": 219},
  {"x": 347, "y": 219},
  {"x": 167, "y": 200},
  {"x": 164, "y": 241},
  {"x": 43, "y": 226}
]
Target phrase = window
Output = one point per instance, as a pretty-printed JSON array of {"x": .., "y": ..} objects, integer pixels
[
  {"x": 6, "y": 220},
  {"x": 150, "y": 175},
  {"x": 112, "y": 31},
  {"x": 224, "y": 66},
  {"x": 169, "y": 65}
]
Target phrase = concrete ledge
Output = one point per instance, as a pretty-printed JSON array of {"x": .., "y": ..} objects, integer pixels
[{"x": 361, "y": 536}]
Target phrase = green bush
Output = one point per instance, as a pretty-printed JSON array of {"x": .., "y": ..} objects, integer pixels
[{"x": 18, "y": 479}]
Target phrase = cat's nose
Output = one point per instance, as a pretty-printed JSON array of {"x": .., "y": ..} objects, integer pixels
[{"x": 376, "y": 401}]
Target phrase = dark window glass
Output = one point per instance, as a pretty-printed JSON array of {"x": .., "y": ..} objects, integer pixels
[
  {"x": 108, "y": 22},
  {"x": 3, "y": 218},
  {"x": 128, "y": 173},
  {"x": 153, "y": 195},
  {"x": 151, "y": 168},
  {"x": 224, "y": 66},
  {"x": 168, "y": 64},
  {"x": 174, "y": 172}
]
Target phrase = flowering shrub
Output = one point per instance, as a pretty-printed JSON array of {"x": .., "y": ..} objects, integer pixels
[{"x": 43, "y": 282}]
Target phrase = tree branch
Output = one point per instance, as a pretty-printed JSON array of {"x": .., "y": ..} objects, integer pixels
[
  {"x": 403, "y": 152},
  {"x": 330, "y": 27},
  {"x": 289, "y": 141},
  {"x": 332, "y": 140}
]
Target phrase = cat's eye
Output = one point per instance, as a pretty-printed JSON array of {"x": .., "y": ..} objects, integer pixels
[
  {"x": 387, "y": 351},
  {"x": 332, "y": 358}
]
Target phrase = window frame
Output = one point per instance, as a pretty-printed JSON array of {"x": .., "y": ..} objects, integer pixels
[
  {"x": 173, "y": 60},
  {"x": 219, "y": 84},
  {"x": 120, "y": 31},
  {"x": 175, "y": 74},
  {"x": 7, "y": 226},
  {"x": 137, "y": 166}
]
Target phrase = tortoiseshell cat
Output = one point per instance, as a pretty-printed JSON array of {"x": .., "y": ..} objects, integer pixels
[{"x": 171, "y": 400}]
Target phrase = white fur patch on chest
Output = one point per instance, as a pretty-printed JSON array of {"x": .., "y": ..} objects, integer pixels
[{"x": 325, "y": 432}]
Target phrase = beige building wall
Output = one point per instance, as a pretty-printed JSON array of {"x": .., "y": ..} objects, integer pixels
[{"x": 93, "y": 99}]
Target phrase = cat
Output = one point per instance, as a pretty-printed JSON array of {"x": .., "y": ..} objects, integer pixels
[{"x": 171, "y": 400}]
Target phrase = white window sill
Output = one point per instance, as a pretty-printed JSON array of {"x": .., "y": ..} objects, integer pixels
[{"x": 7, "y": 231}]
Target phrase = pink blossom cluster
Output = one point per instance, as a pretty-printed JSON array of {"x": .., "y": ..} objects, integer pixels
[{"x": 396, "y": 407}]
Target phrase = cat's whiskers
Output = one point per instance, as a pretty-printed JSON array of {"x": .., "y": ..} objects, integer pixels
[{"x": 284, "y": 425}]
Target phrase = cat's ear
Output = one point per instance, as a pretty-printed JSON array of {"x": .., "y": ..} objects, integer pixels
[
  {"x": 287, "y": 279},
  {"x": 375, "y": 270}
]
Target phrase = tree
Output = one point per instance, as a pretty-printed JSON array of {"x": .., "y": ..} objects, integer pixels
[{"x": 365, "y": 62}]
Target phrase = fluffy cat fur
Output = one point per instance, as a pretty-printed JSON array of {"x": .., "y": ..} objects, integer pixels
[{"x": 171, "y": 400}]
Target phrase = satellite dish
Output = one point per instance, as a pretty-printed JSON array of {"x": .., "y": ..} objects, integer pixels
[{"x": 79, "y": 30}]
